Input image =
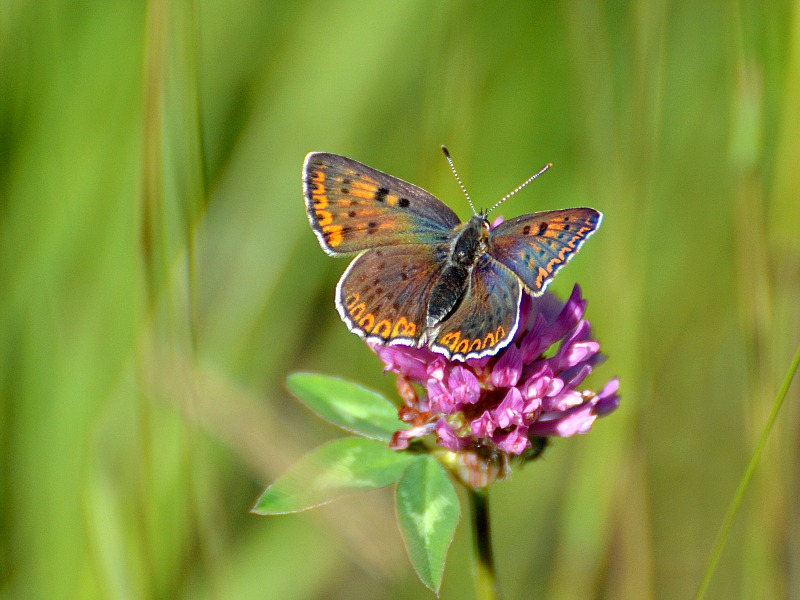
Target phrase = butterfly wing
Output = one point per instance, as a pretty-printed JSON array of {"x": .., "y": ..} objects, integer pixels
[
  {"x": 383, "y": 294},
  {"x": 487, "y": 317},
  {"x": 353, "y": 207},
  {"x": 537, "y": 245}
]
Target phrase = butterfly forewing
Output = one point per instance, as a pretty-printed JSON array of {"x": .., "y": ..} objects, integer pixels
[
  {"x": 353, "y": 207},
  {"x": 537, "y": 245},
  {"x": 383, "y": 294},
  {"x": 487, "y": 317}
]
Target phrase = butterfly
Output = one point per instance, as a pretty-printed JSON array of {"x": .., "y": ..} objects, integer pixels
[{"x": 421, "y": 277}]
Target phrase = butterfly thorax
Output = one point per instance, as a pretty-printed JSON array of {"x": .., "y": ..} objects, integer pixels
[{"x": 469, "y": 243}]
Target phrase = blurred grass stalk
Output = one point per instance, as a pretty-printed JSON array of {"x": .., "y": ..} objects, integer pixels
[
  {"x": 173, "y": 199},
  {"x": 767, "y": 222}
]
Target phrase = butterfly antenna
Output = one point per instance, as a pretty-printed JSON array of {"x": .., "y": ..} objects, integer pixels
[
  {"x": 458, "y": 179},
  {"x": 520, "y": 186}
]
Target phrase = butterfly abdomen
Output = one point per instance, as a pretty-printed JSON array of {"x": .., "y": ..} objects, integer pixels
[
  {"x": 453, "y": 282},
  {"x": 446, "y": 293}
]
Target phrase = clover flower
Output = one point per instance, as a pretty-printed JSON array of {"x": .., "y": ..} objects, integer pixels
[{"x": 487, "y": 410}]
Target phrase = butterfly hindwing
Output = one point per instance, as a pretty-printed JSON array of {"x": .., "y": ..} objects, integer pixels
[
  {"x": 537, "y": 245},
  {"x": 353, "y": 207},
  {"x": 487, "y": 317},
  {"x": 383, "y": 294}
]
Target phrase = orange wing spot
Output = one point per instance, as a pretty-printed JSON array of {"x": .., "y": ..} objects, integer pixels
[
  {"x": 475, "y": 345},
  {"x": 333, "y": 234},
  {"x": 366, "y": 322},
  {"x": 363, "y": 193},
  {"x": 451, "y": 340},
  {"x": 582, "y": 232},
  {"x": 351, "y": 300},
  {"x": 405, "y": 328},
  {"x": 383, "y": 329},
  {"x": 357, "y": 311},
  {"x": 463, "y": 347},
  {"x": 391, "y": 200},
  {"x": 488, "y": 341},
  {"x": 500, "y": 333},
  {"x": 318, "y": 176},
  {"x": 540, "y": 277},
  {"x": 320, "y": 200},
  {"x": 324, "y": 218}
]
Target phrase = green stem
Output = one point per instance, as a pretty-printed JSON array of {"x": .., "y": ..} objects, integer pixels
[
  {"x": 725, "y": 529},
  {"x": 485, "y": 578}
]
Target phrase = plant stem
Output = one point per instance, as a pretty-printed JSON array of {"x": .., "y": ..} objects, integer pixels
[
  {"x": 485, "y": 577},
  {"x": 727, "y": 523}
]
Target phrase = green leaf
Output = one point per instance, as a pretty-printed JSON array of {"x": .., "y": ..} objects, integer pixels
[
  {"x": 346, "y": 405},
  {"x": 331, "y": 471},
  {"x": 428, "y": 512}
]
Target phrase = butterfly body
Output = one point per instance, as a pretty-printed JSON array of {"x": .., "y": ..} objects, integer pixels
[
  {"x": 422, "y": 277},
  {"x": 452, "y": 284}
]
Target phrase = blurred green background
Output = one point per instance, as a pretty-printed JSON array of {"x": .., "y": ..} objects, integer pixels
[{"x": 158, "y": 280}]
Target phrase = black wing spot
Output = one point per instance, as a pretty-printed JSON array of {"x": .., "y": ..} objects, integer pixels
[
  {"x": 403, "y": 275},
  {"x": 381, "y": 194},
  {"x": 404, "y": 202},
  {"x": 346, "y": 181},
  {"x": 526, "y": 230},
  {"x": 542, "y": 227},
  {"x": 372, "y": 227},
  {"x": 566, "y": 227},
  {"x": 345, "y": 190},
  {"x": 351, "y": 214}
]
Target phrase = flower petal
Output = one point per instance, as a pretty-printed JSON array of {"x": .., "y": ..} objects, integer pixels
[
  {"x": 578, "y": 420},
  {"x": 483, "y": 426},
  {"x": 576, "y": 353},
  {"x": 401, "y": 439},
  {"x": 507, "y": 370},
  {"x": 409, "y": 362},
  {"x": 441, "y": 400},
  {"x": 563, "y": 401},
  {"x": 514, "y": 442},
  {"x": 509, "y": 411},
  {"x": 533, "y": 344},
  {"x": 447, "y": 438},
  {"x": 464, "y": 386},
  {"x": 570, "y": 316},
  {"x": 575, "y": 377}
]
